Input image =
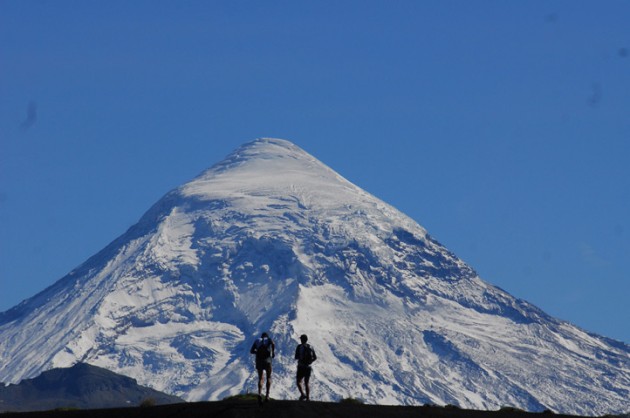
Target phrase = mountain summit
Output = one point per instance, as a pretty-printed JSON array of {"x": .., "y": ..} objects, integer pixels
[{"x": 271, "y": 239}]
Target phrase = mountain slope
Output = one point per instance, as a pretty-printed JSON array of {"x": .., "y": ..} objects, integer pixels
[
  {"x": 271, "y": 239},
  {"x": 80, "y": 386}
]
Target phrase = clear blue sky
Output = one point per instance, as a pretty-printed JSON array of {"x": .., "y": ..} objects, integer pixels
[{"x": 502, "y": 127}]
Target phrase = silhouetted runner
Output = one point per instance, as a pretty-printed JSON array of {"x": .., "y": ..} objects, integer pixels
[
  {"x": 305, "y": 355},
  {"x": 264, "y": 349}
]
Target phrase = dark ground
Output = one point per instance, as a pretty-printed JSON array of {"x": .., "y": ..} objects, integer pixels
[{"x": 278, "y": 409}]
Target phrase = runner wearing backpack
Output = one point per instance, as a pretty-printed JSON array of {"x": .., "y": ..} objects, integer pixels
[
  {"x": 305, "y": 355},
  {"x": 264, "y": 349}
]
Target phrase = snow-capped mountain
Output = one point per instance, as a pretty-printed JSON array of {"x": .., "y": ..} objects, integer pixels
[{"x": 271, "y": 239}]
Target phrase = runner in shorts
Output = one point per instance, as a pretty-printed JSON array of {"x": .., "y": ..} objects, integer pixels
[
  {"x": 264, "y": 349},
  {"x": 305, "y": 355}
]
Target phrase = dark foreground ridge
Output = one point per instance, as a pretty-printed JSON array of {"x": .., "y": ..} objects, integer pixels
[
  {"x": 281, "y": 409},
  {"x": 81, "y": 386}
]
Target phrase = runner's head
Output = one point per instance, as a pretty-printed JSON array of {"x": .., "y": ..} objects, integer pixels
[{"x": 303, "y": 338}]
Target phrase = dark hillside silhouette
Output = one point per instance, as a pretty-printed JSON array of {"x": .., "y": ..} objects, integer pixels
[
  {"x": 282, "y": 409},
  {"x": 80, "y": 386}
]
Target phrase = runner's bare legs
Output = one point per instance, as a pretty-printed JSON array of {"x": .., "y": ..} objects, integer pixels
[
  {"x": 308, "y": 389},
  {"x": 305, "y": 393},
  {"x": 268, "y": 382},
  {"x": 299, "y": 385},
  {"x": 260, "y": 383}
]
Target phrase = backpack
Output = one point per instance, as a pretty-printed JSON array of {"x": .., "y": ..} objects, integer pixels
[
  {"x": 308, "y": 354},
  {"x": 263, "y": 352}
]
